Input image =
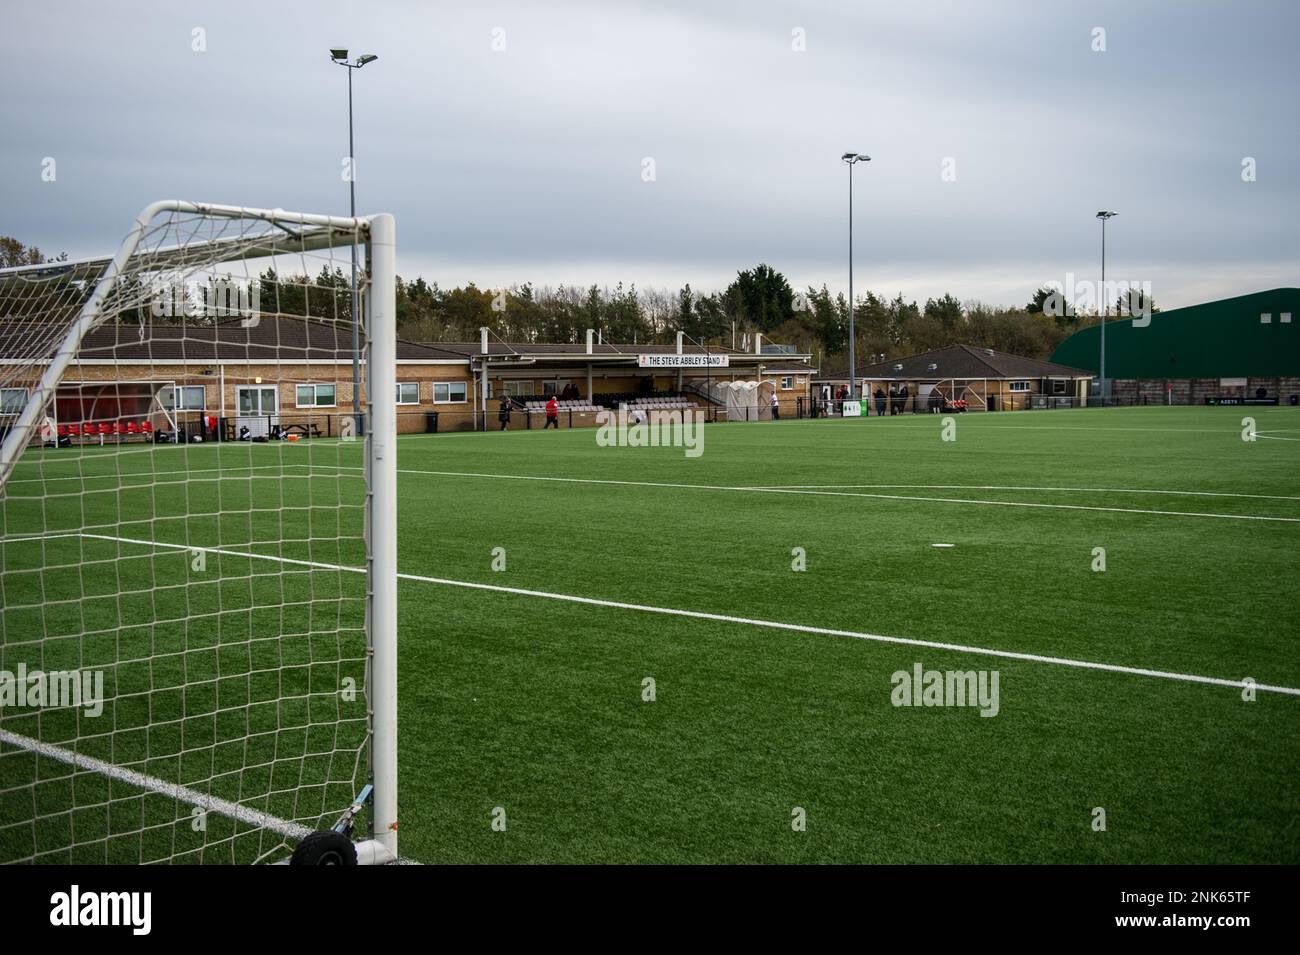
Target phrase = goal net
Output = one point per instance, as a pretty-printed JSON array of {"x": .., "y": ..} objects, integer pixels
[{"x": 197, "y": 542}]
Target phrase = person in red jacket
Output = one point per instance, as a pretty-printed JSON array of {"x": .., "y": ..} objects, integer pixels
[{"x": 552, "y": 414}]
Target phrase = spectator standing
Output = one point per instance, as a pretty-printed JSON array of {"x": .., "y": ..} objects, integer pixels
[
  {"x": 776, "y": 407},
  {"x": 880, "y": 402},
  {"x": 504, "y": 414},
  {"x": 552, "y": 414}
]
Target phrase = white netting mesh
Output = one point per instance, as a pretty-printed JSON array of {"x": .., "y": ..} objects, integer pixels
[{"x": 183, "y": 547}]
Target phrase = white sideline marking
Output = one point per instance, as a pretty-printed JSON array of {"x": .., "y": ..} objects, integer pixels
[
  {"x": 253, "y": 817},
  {"x": 728, "y": 618},
  {"x": 884, "y": 497}
]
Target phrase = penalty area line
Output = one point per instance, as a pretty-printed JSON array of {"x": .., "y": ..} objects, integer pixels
[{"x": 745, "y": 621}]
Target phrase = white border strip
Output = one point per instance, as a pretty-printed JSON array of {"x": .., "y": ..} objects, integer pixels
[
  {"x": 253, "y": 817},
  {"x": 369, "y": 851}
]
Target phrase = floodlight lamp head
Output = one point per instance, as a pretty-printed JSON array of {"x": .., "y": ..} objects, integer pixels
[
  {"x": 1105, "y": 214},
  {"x": 365, "y": 58},
  {"x": 852, "y": 158},
  {"x": 338, "y": 54}
]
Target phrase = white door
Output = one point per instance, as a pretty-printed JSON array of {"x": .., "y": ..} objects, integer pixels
[{"x": 258, "y": 407}]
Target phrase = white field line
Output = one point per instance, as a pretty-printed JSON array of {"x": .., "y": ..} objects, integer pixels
[
  {"x": 728, "y": 618},
  {"x": 253, "y": 817},
  {"x": 775, "y": 488},
  {"x": 1064, "y": 507},
  {"x": 1018, "y": 487},
  {"x": 821, "y": 493},
  {"x": 756, "y": 488},
  {"x": 1011, "y": 429}
]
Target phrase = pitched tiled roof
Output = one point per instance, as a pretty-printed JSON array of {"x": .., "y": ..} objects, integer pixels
[
  {"x": 965, "y": 361},
  {"x": 285, "y": 339},
  {"x": 271, "y": 339}
]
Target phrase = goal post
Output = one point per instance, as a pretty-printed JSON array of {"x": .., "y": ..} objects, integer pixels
[
  {"x": 198, "y": 601},
  {"x": 381, "y": 440}
]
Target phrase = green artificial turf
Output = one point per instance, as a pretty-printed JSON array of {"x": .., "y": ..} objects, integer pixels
[{"x": 533, "y": 706}]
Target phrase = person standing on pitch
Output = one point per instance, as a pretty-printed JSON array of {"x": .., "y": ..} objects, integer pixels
[
  {"x": 552, "y": 414},
  {"x": 880, "y": 402},
  {"x": 503, "y": 415},
  {"x": 776, "y": 407}
]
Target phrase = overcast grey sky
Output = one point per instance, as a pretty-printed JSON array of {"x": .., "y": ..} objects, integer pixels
[{"x": 526, "y": 163}]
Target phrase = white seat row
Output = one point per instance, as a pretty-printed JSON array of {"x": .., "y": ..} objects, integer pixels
[
  {"x": 665, "y": 404},
  {"x": 540, "y": 406}
]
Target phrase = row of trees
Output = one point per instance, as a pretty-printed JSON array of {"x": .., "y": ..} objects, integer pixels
[{"x": 760, "y": 299}]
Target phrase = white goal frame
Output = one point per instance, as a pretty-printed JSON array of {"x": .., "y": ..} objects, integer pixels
[{"x": 304, "y": 232}]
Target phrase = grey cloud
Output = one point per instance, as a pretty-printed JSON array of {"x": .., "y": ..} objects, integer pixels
[{"x": 525, "y": 165}]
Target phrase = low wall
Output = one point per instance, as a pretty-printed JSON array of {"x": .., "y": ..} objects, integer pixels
[{"x": 1194, "y": 391}]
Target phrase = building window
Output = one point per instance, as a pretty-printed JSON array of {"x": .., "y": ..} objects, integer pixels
[
  {"x": 183, "y": 398},
  {"x": 447, "y": 392},
  {"x": 518, "y": 389},
  {"x": 315, "y": 396},
  {"x": 787, "y": 382},
  {"x": 12, "y": 400},
  {"x": 408, "y": 392},
  {"x": 1059, "y": 386},
  {"x": 1019, "y": 386}
]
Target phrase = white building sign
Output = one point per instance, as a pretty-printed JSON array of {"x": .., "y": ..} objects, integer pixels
[{"x": 683, "y": 361}]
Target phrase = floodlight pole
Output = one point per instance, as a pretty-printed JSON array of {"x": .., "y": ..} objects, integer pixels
[
  {"x": 850, "y": 159},
  {"x": 1101, "y": 293},
  {"x": 356, "y": 334},
  {"x": 358, "y": 420}
]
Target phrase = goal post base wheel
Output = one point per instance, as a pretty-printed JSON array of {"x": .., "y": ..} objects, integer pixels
[{"x": 326, "y": 847}]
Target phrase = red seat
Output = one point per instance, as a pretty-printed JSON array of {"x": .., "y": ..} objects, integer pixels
[
  {"x": 118, "y": 428},
  {"x": 132, "y": 428},
  {"x": 74, "y": 430},
  {"x": 146, "y": 426},
  {"x": 63, "y": 431},
  {"x": 103, "y": 428}
]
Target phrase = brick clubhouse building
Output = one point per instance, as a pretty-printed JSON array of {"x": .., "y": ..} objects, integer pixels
[{"x": 247, "y": 379}]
